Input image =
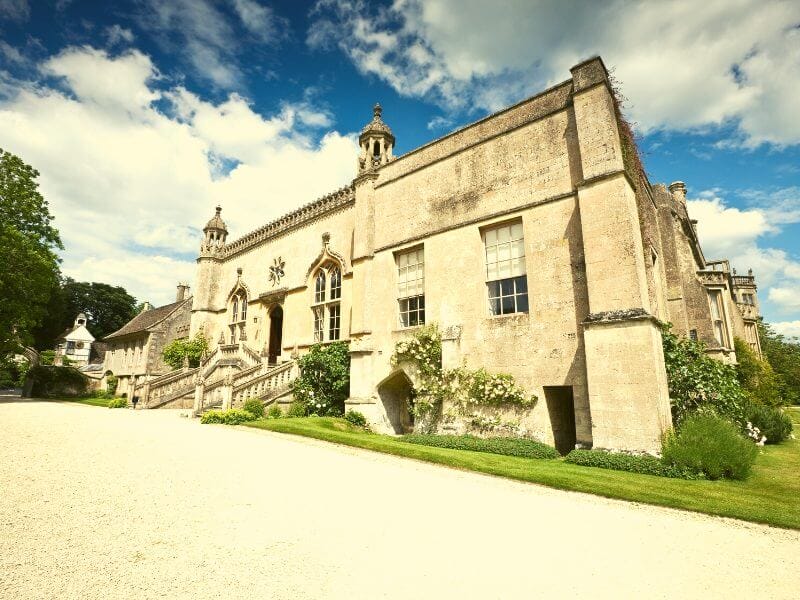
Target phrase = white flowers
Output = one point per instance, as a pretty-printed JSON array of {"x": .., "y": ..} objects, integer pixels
[{"x": 754, "y": 433}]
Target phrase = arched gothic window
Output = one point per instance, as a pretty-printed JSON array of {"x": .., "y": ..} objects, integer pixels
[
  {"x": 326, "y": 306},
  {"x": 238, "y": 316}
]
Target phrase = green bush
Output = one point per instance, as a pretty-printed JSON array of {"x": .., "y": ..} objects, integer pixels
[
  {"x": 297, "y": 409},
  {"x": 711, "y": 445},
  {"x": 772, "y": 422},
  {"x": 101, "y": 394},
  {"x": 118, "y": 403},
  {"x": 355, "y": 418},
  {"x": 57, "y": 382},
  {"x": 274, "y": 412},
  {"x": 495, "y": 445},
  {"x": 181, "y": 349},
  {"x": 647, "y": 465},
  {"x": 111, "y": 384},
  {"x": 324, "y": 380},
  {"x": 756, "y": 375},
  {"x": 233, "y": 416},
  {"x": 255, "y": 407},
  {"x": 700, "y": 382}
]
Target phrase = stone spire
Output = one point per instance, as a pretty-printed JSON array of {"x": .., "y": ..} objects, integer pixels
[
  {"x": 376, "y": 141},
  {"x": 214, "y": 233}
]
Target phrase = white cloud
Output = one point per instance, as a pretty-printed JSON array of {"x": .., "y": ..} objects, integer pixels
[
  {"x": 739, "y": 235},
  {"x": 790, "y": 329},
  {"x": 260, "y": 20},
  {"x": 117, "y": 34},
  {"x": 131, "y": 185},
  {"x": 15, "y": 10},
  {"x": 683, "y": 64}
]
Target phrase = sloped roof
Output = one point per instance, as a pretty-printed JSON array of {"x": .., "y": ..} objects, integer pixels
[{"x": 146, "y": 319}]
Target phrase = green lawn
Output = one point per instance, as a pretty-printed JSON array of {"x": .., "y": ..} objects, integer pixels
[
  {"x": 89, "y": 400},
  {"x": 771, "y": 495}
]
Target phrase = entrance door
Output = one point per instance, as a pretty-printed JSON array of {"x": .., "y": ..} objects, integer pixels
[
  {"x": 561, "y": 408},
  {"x": 275, "y": 334}
]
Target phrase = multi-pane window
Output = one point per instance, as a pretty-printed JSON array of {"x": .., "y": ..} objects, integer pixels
[
  {"x": 506, "y": 281},
  {"x": 327, "y": 294},
  {"x": 238, "y": 315},
  {"x": 333, "y": 321},
  {"x": 319, "y": 323},
  {"x": 717, "y": 317},
  {"x": 411, "y": 287}
]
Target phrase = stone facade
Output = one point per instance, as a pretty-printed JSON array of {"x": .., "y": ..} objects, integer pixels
[
  {"x": 75, "y": 344},
  {"x": 134, "y": 352},
  {"x": 530, "y": 237}
]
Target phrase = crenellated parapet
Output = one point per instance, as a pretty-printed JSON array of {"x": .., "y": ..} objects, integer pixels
[{"x": 305, "y": 214}]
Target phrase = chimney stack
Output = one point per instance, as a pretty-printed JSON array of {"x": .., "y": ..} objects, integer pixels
[
  {"x": 146, "y": 306},
  {"x": 678, "y": 191},
  {"x": 183, "y": 292}
]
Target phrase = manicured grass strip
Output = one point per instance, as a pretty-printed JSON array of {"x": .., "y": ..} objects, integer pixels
[
  {"x": 768, "y": 496},
  {"x": 495, "y": 445},
  {"x": 89, "y": 400}
]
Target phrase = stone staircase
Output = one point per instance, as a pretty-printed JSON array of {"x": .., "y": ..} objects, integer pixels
[{"x": 231, "y": 374}]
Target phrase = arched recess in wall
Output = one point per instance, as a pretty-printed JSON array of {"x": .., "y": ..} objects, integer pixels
[{"x": 237, "y": 306}]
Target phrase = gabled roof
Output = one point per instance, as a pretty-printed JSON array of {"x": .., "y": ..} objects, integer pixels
[
  {"x": 146, "y": 320},
  {"x": 71, "y": 330}
]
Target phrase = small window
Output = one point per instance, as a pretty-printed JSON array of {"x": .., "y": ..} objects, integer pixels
[
  {"x": 717, "y": 317},
  {"x": 319, "y": 287},
  {"x": 336, "y": 284},
  {"x": 693, "y": 335},
  {"x": 319, "y": 320},
  {"x": 333, "y": 321},
  {"x": 411, "y": 287},
  {"x": 506, "y": 280}
]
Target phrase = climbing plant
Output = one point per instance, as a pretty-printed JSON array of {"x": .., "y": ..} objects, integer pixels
[
  {"x": 466, "y": 390},
  {"x": 177, "y": 351},
  {"x": 324, "y": 381}
]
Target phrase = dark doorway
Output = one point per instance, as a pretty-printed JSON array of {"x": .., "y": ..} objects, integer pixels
[
  {"x": 561, "y": 408},
  {"x": 275, "y": 334},
  {"x": 396, "y": 394}
]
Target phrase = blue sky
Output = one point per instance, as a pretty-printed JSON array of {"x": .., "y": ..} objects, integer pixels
[{"x": 142, "y": 115}]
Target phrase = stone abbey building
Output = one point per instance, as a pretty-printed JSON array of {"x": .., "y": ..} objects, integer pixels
[{"x": 532, "y": 238}]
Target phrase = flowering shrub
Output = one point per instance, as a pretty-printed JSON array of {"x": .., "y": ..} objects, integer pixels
[
  {"x": 772, "y": 423},
  {"x": 488, "y": 389},
  {"x": 754, "y": 433},
  {"x": 466, "y": 389},
  {"x": 324, "y": 381}
]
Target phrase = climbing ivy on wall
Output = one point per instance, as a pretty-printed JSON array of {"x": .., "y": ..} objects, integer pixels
[{"x": 465, "y": 390}]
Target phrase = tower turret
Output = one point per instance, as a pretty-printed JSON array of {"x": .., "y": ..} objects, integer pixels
[
  {"x": 376, "y": 141},
  {"x": 214, "y": 234}
]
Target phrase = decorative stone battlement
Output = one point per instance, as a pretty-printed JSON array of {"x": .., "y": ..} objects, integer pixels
[{"x": 305, "y": 214}]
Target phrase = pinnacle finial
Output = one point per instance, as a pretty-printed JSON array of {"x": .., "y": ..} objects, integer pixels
[
  {"x": 377, "y": 110},
  {"x": 219, "y": 209}
]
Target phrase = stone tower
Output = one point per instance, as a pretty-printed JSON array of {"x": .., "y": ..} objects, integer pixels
[
  {"x": 376, "y": 141},
  {"x": 204, "y": 305}
]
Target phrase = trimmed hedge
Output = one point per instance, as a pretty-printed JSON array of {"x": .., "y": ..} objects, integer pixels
[
  {"x": 233, "y": 416},
  {"x": 494, "y": 445},
  {"x": 647, "y": 465},
  {"x": 57, "y": 382}
]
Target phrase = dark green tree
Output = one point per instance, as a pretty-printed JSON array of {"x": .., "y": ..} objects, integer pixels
[
  {"x": 107, "y": 307},
  {"x": 784, "y": 356},
  {"x": 29, "y": 269}
]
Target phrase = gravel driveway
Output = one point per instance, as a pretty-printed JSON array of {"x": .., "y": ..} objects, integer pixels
[{"x": 98, "y": 503}]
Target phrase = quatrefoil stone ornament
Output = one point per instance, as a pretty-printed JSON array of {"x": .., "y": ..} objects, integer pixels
[{"x": 276, "y": 271}]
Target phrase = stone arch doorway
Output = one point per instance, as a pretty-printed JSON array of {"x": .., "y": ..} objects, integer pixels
[
  {"x": 275, "y": 334},
  {"x": 396, "y": 394}
]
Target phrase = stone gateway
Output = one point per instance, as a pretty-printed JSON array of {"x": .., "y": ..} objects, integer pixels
[{"x": 532, "y": 238}]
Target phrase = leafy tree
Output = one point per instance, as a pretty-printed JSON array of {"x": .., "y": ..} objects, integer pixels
[
  {"x": 324, "y": 381},
  {"x": 107, "y": 307},
  {"x": 784, "y": 357},
  {"x": 176, "y": 351},
  {"x": 755, "y": 375},
  {"x": 29, "y": 269},
  {"x": 699, "y": 383}
]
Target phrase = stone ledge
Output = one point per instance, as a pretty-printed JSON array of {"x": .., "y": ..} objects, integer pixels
[{"x": 618, "y": 316}]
